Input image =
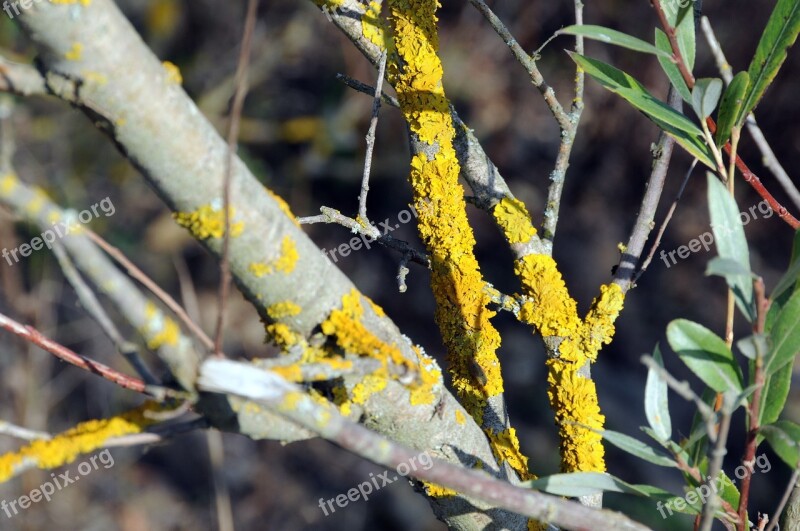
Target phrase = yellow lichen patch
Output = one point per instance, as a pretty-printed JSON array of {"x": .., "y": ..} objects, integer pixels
[
  {"x": 159, "y": 330},
  {"x": 505, "y": 447},
  {"x": 38, "y": 201},
  {"x": 75, "y": 52},
  {"x": 375, "y": 308},
  {"x": 282, "y": 335},
  {"x": 83, "y": 438},
  {"x": 8, "y": 182},
  {"x": 437, "y": 491},
  {"x": 209, "y": 222},
  {"x": 513, "y": 219},
  {"x": 573, "y": 398},
  {"x": 372, "y": 26},
  {"x": 430, "y": 378},
  {"x": 284, "y": 206},
  {"x": 279, "y": 310},
  {"x": 174, "y": 76},
  {"x": 293, "y": 373},
  {"x": 460, "y": 418},
  {"x": 342, "y": 400},
  {"x": 352, "y": 336},
  {"x": 368, "y": 386},
  {"x": 285, "y": 262},
  {"x": 81, "y": 2}
]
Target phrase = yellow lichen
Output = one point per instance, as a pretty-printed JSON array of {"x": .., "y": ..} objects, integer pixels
[
  {"x": 573, "y": 398},
  {"x": 372, "y": 26},
  {"x": 505, "y": 447},
  {"x": 64, "y": 2},
  {"x": 84, "y": 438},
  {"x": 174, "y": 76},
  {"x": 75, "y": 52},
  {"x": 368, "y": 386},
  {"x": 282, "y": 335},
  {"x": 280, "y": 310},
  {"x": 209, "y": 222},
  {"x": 430, "y": 378},
  {"x": 437, "y": 491},
  {"x": 97, "y": 78},
  {"x": 285, "y": 263},
  {"x": 293, "y": 373},
  {"x": 460, "y": 418},
  {"x": 8, "y": 182},
  {"x": 159, "y": 330},
  {"x": 513, "y": 219},
  {"x": 284, "y": 206}
]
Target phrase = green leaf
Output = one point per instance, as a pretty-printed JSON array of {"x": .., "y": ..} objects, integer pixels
[
  {"x": 705, "y": 96},
  {"x": 656, "y": 406},
  {"x": 637, "y": 448},
  {"x": 789, "y": 279},
  {"x": 583, "y": 484},
  {"x": 670, "y": 68},
  {"x": 610, "y": 36},
  {"x": 706, "y": 354},
  {"x": 685, "y": 132},
  {"x": 731, "y": 243},
  {"x": 775, "y": 393},
  {"x": 785, "y": 335},
  {"x": 752, "y": 345},
  {"x": 726, "y": 267},
  {"x": 680, "y": 15},
  {"x": 780, "y": 33},
  {"x": 783, "y": 436},
  {"x": 730, "y": 107}
]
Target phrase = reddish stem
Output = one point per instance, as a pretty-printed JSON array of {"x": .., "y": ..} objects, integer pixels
[{"x": 32, "y": 335}]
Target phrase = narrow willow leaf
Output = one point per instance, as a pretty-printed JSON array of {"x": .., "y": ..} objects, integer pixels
[
  {"x": 775, "y": 393},
  {"x": 670, "y": 68},
  {"x": 685, "y": 132},
  {"x": 610, "y": 36},
  {"x": 780, "y": 33},
  {"x": 656, "y": 405},
  {"x": 730, "y": 106},
  {"x": 725, "y": 267},
  {"x": 637, "y": 448},
  {"x": 583, "y": 484},
  {"x": 783, "y": 437},
  {"x": 705, "y": 96},
  {"x": 785, "y": 335},
  {"x": 680, "y": 15},
  {"x": 731, "y": 243},
  {"x": 752, "y": 345},
  {"x": 789, "y": 279},
  {"x": 706, "y": 354}
]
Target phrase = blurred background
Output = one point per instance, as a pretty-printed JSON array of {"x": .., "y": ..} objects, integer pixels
[{"x": 303, "y": 136}]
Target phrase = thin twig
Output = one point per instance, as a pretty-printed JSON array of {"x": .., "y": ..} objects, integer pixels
[
  {"x": 32, "y": 335},
  {"x": 93, "y": 307},
  {"x": 664, "y": 224},
  {"x": 12, "y": 430},
  {"x": 784, "y": 499},
  {"x": 366, "y": 89},
  {"x": 156, "y": 434},
  {"x": 662, "y": 155},
  {"x": 528, "y": 62},
  {"x": 148, "y": 283},
  {"x": 233, "y": 135},
  {"x": 768, "y": 157},
  {"x": 559, "y": 173},
  {"x": 373, "y": 124},
  {"x": 717, "y": 454}
]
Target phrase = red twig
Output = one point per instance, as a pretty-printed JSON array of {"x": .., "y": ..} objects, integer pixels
[
  {"x": 749, "y": 177},
  {"x": 32, "y": 335},
  {"x": 762, "y": 305}
]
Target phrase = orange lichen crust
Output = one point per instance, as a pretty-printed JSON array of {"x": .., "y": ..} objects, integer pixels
[
  {"x": 462, "y": 312},
  {"x": 573, "y": 398},
  {"x": 86, "y": 437}
]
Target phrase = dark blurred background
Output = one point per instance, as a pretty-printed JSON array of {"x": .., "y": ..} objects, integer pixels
[{"x": 303, "y": 136}]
